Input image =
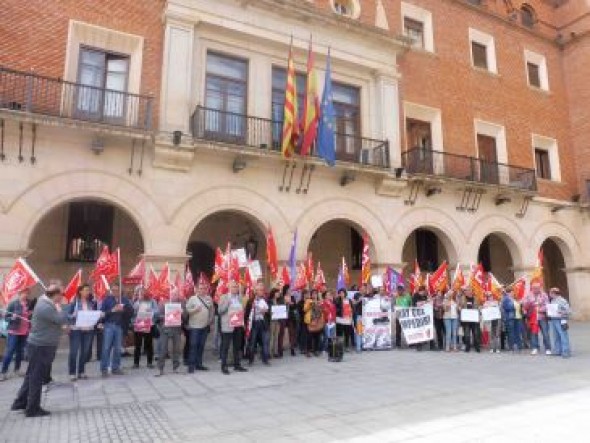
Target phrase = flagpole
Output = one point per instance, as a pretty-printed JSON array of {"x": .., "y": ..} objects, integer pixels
[{"x": 120, "y": 278}]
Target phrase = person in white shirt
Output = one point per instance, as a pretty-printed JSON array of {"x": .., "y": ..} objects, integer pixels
[{"x": 260, "y": 330}]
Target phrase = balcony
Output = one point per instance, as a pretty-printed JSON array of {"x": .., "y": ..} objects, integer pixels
[
  {"x": 422, "y": 161},
  {"x": 247, "y": 133},
  {"x": 39, "y": 95}
]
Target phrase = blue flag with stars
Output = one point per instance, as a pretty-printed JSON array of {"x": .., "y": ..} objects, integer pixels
[{"x": 326, "y": 142}]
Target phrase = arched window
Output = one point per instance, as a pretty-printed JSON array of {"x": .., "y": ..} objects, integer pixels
[{"x": 528, "y": 16}]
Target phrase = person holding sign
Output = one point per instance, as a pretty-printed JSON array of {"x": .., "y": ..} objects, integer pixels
[
  {"x": 145, "y": 310},
  {"x": 278, "y": 315},
  {"x": 80, "y": 336},
  {"x": 344, "y": 319},
  {"x": 420, "y": 299},
  {"x": 259, "y": 334},
  {"x": 472, "y": 331},
  {"x": 402, "y": 300},
  {"x": 535, "y": 305},
  {"x": 231, "y": 314},
  {"x": 492, "y": 326},
  {"x": 169, "y": 323},
  {"x": 559, "y": 314},
  {"x": 201, "y": 312}
]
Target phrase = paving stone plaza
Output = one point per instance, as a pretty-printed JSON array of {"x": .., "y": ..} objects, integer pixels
[{"x": 373, "y": 397}]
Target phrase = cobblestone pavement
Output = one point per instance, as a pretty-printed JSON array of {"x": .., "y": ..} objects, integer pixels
[{"x": 374, "y": 397}]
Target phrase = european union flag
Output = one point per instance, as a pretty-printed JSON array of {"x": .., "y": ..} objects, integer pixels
[{"x": 326, "y": 142}]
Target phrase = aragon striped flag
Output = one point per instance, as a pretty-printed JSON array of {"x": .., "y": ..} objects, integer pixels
[
  {"x": 290, "y": 134},
  {"x": 311, "y": 107}
]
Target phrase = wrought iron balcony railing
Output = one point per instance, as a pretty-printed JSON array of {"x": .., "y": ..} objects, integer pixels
[
  {"x": 461, "y": 167},
  {"x": 28, "y": 92},
  {"x": 241, "y": 130}
]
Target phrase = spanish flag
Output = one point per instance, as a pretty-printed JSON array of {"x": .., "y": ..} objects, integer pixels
[
  {"x": 290, "y": 122},
  {"x": 311, "y": 107}
]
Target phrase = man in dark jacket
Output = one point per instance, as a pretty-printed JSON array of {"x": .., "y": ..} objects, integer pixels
[
  {"x": 46, "y": 328},
  {"x": 117, "y": 310}
]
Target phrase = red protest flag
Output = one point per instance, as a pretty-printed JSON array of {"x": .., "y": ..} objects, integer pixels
[
  {"x": 285, "y": 276},
  {"x": 19, "y": 278},
  {"x": 100, "y": 287},
  {"x": 494, "y": 286},
  {"x": 107, "y": 264},
  {"x": 519, "y": 288},
  {"x": 345, "y": 273},
  {"x": 366, "y": 261},
  {"x": 320, "y": 279},
  {"x": 219, "y": 265},
  {"x": 309, "y": 271},
  {"x": 271, "y": 254},
  {"x": 477, "y": 282},
  {"x": 136, "y": 275},
  {"x": 458, "y": 279},
  {"x": 188, "y": 289},
  {"x": 415, "y": 278},
  {"x": 301, "y": 280},
  {"x": 153, "y": 284},
  {"x": 72, "y": 287},
  {"x": 439, "y": 280}
]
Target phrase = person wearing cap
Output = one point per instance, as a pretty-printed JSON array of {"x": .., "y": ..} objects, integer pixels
[
  {"x": 402, "y": 300},
  {"x": 559, "y": 324},
  {"x": 47, "y": 323},
  {"x": 493, "y": 326},
  {"x": 18, "y": 317}
]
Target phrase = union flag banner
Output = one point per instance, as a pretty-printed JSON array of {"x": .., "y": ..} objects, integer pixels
[
  {"x": 439, "y": 280},
  {"x": 301, "y": 280},
  {"x": 519, "y": 288},
  {"x": 320, "y": 279},
  {"x": 365, "y": 261},
  {"x": 494, "y": 286},
  {"x": 100, "y": 287},
  {"x": 478, "y": 282},
  {"x": 271, "y": 254},
  {"x": 537, "y": 274},
  {"x": 458, "y": 278},
  {"x": 311, "y": 106},
  {"x": 188, "y": 288},
  {"x": 72, "y": 288},
  {"x": 290, "y": 118},
  {"x": 309, "y": 268},
  {"x": 19, "y": 278},
  {"x": 415, "y": 278},
  {"x": 107, "y": 264}
]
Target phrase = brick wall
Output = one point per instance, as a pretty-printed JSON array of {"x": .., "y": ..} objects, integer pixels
[{"x": 34, "y": 36}]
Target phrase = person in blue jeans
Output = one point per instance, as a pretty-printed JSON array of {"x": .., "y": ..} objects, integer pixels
[
  {"x": 17, "y": 315},
  {"x": 80, "y": 338},
  {"x": 201, "y": 312},
  {"x": 116, "y": 309},
  {"x": 509, "y": 318},
  {"x": 559, "y": 324}
]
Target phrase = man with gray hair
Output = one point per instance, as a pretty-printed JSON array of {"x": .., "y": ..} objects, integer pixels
[{"x": 46, "y": 327}]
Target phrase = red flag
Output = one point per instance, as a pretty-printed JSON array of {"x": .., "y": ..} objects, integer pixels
[
  {"x": 366, "y": 261},
  {"x": 72, "y": 287},
  {"x": 309, "y": 267},
  {"x": 301, "y": 280},
  {"x": 19, "y": 278},
  {"x": 219, "y": 263},
  {"x": 248, "y": 283},
  {"x": 345, "y": 273},
  {"x": 519, "y": 288},
  {"x": 188, "y": 288},
  {"x": 320, "y": 279},
  {"x": 271, "y": 254},
  {"x": 415, "y": 278},
  {"x": 494, "y": 286},
  {"x": 107, "y": 264},
  {"x": 100, "y": 287},
  {"x": 439, "y": 280},
  {"x": 136, "y": 275},
  {"x": 458, "y": 278},
  {"x": 164, "y": 282},
  {"x": 152, "y": 287},
  {"x": 285, "y": 277},
  {"x": 477, "y": 282}
]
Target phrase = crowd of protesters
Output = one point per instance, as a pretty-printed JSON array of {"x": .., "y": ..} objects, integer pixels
[{"x": 244, "y": 324}]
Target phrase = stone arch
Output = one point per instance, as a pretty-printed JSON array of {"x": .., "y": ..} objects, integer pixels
[
  {"x": 507, "y": 230},
  {"x": 562, "y": 236},
  {"x": 255, "y": 206},
  {"x": 38, "y": 200},
  {"x": 436, "y": 220},
  {"x": 350, "y": 211}
]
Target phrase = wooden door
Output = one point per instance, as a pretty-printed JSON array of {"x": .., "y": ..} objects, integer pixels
[{"x": 488, "y": 159}]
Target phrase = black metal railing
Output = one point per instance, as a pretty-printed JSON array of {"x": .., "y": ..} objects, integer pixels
[
  {"x": 461, "y": 167},
  {"x": 28, "y": 92},
  {"x": 260, "y": 133}
]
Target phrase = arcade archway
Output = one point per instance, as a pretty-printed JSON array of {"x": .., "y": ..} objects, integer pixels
[
  {"x": 554, "y": 266},
  {"x": 428, "y": 247},
  {"x": 495, "y": 256}
]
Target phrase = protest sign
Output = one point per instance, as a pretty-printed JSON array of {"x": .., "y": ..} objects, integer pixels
[
  {"x": 87, "y": 319},
  {"x": 417, "y": 323},
  {"x": 491, "y": 313},
  {"x": 172, "y": 314},
  {"x": 376, "y": 323},
  {"x": 143, "y": 322},
  {"x": 552, "y": 310},
  {"x": 240, "y": 254},
  {"x": 236, "y": 317},
  {"x": 255, "y": 270},
  {"x": 376, "y": 281},
  {"x": 278, "y": 312},
  {"x": 469, "y": 315}
]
